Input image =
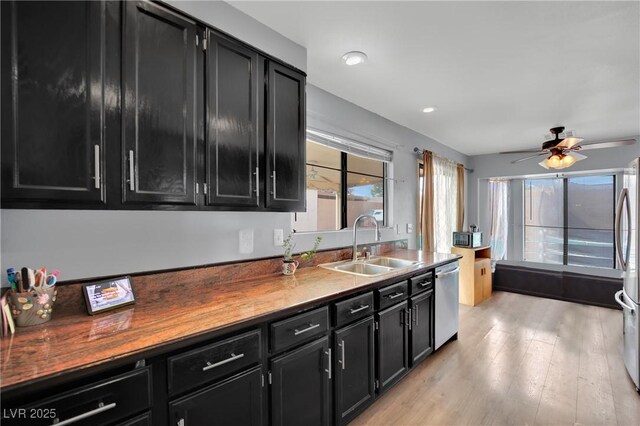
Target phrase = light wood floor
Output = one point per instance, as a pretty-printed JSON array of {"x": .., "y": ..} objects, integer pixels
[{"x": 519, "y": 360}]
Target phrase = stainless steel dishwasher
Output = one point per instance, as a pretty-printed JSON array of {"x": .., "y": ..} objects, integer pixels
[{"x": 447, "y": 290}]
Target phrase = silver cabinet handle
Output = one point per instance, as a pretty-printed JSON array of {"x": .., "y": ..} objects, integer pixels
[
  {"x": 395, "y": 295},
  {"x": 101, "y": 409},
  {"x": 132, "y": 186},
  {"x": 297, "y": 332},
  {"x": 96, "y": 166},
  {"x": 180, "y": 422},
  {"x": 621, "y": 303},
  {"x": 361, "y": 308},
  {"x": 342, "y": 359},
  {"x": 257, "y": 188},
  {"x": 273, "y": 184},
  {"x": 233, "y": 357},
  {"x": 415, "y": 311},
  {"x": 424, "y": 284},
  {"x": 409, "y": 316},
  {"x": 329, "y": 363},
  {"x": 446, "y": 274}
]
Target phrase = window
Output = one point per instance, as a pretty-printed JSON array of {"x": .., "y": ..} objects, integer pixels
[
  {"x": 341, "y": 186},
  {"x": 569, "y": 221}
]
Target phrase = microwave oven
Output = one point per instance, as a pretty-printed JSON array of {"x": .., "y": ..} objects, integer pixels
[{"x": 467, "y": 239}]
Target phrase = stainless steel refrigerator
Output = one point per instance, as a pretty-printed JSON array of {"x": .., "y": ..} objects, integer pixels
[{"x": 626, "y": 235}]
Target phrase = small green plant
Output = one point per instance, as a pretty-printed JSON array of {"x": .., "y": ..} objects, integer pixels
[{"x": 289, "y": 245}]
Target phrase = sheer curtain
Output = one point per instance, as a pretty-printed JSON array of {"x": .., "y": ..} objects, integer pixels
[
  {"x": 445, "y": 203},
  {"x": 499, "y": 207}
]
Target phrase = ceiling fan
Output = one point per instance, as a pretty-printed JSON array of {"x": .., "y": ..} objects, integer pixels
[{"x": 561, "y": 149}]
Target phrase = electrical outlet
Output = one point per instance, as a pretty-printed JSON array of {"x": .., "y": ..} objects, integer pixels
[
  {"x": 409, "y": 228},
  {"x": 245, "y": 245},
  {"x": 278, "y": 237},
  {"x": 398, "y": 229}
]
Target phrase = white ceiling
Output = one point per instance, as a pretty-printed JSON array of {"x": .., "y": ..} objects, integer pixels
[{"x": 501, "y": 73}]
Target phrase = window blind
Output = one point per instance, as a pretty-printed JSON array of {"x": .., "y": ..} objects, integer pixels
[{"x": 349, "y": 145}]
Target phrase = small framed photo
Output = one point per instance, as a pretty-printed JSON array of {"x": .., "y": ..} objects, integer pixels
[{"x": 106, "y": 295}]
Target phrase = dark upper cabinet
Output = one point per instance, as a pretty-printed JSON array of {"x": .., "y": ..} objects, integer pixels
[
  {"x": 300, "y": 385},
  {"x": 53, "y": 57},
  {"x": 393, "y": 345},
  {"x": 286, "y": 134},
  {"x": 236, "y": 401},
  {"x": 232, "y": 135},
  {"x": 354, "y": 369},
  {"x": 422, "y": 326},
  {"x": 158, "y": 111}
]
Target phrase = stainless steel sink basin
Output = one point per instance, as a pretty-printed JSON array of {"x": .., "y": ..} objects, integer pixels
[
  {"x": 361, "y": 268},
  {"x": 370, "y": 268},
  {"x": 390, "y": 262}
]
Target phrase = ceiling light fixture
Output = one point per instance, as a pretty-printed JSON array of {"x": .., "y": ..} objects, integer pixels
[
  {"x": 354, "y": 58},
  {"x": 559, "y": 160},
  {"x": 430, "y": 109}
]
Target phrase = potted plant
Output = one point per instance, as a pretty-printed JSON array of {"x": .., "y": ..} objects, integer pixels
[{"x": 289, "y": 264}]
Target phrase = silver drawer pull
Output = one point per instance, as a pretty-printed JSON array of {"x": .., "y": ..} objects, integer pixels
[
  {"x": 395, "y": 295},
  {"x": 361, "y": 308},
  {"x": 233, "y": 357},
  {"x": 132, "y": 185},
  {"x": 101, "y": 409},
  {"x": 424, "y": 284},
  {"x": 96, "y": 166},
  {"x": 304, "y": 330}
]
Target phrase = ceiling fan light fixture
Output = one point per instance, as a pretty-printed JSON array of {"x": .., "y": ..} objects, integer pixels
[
  {"x": 567, "y": 161},
  {"x": 553, "y": 162}
]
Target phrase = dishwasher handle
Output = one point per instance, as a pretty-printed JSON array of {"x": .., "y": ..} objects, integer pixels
[{"x": 446, "y": 274}]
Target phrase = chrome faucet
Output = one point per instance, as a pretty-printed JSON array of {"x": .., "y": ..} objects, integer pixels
[{"x": 355, "y": 229}]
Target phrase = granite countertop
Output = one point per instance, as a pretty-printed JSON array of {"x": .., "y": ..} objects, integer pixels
[{"x": 174, "y": 312}]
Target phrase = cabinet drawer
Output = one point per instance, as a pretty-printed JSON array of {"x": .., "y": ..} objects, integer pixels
[
  {"x": 421, "y": 282},
  {"x": 141, "y": 420},
  {"x": 392, "y": 294},
  {"x": 100, "y": 403},
  {"x": 202, "y": 365},
  {"x": 354, "y": 308},
  {"x": 299, "y": 329}
]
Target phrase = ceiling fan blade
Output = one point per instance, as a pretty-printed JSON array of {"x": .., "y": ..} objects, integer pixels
[
  {"x": 610, "y": 144},
  {"x": 569, "y": 142},
  {"x": 524, "y": 151},
  {"x": 529, "y": 157},
  {"x": 576, "y": 155}
]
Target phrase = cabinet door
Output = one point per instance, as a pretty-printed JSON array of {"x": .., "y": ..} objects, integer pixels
[
  {"x": 285, "y": 139},
  {"x": 159, "y": 56},
  {"x": 236, "y": 401},
  {"x": 300, "y": 385},
  {"x": 422, "y": 330},
  {"x": 487, "y": 288},
  {"x": 393, "y": 345},
  {"x": 52, "y": 93},
  {"x": 232, "y": 123},
  {"x": 478, "y": 281},
  {"x": 354, "y": 369}
]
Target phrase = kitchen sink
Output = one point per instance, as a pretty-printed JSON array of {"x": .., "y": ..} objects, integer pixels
[{"x": 371, "y": 267}]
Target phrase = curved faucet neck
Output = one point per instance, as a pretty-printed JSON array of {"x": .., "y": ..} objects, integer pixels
[{"x": 355, "y": 233}]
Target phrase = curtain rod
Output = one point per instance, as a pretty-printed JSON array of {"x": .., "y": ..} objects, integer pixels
[{"x": 421, "y": 152}]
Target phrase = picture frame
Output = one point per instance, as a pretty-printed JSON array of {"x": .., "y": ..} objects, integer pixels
[{"x": 107, "y": 295}]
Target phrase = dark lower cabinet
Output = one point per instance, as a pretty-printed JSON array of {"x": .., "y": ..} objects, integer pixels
[
  {"x": 158, "y": 111},
  {"x": 300, "y": 385},
  {"x": 393, "y": 345},
  {"x": 233, "y": 137},
  {"x": 422, "y": 330},
  {"x": 354, "y": 382},
  {"x": 53, "y": 56},
  {"x": 141, "y": 420},
  {"x": 285, "y": 139},
  {"x": 236, "y": 401}
]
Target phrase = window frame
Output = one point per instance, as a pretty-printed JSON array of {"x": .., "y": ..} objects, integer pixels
[
  {"x": 343, "y": 191},
  {"x": 565, "y": 216}
]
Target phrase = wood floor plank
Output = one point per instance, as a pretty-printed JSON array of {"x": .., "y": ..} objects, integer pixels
[{"x": 519, "y": 360}]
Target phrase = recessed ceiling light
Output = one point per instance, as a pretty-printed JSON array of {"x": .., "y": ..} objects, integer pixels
[
  {"x": 354, "y": 58},
  {"x": 430, "y": 109}
]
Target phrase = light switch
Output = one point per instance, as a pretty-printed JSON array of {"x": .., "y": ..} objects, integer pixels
[
  {"x": 398, "y": 228},
  {"x": 278, "y": 237},
  {"x": 409, "y": 228},
  {"x": 245, "y": 241}
]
